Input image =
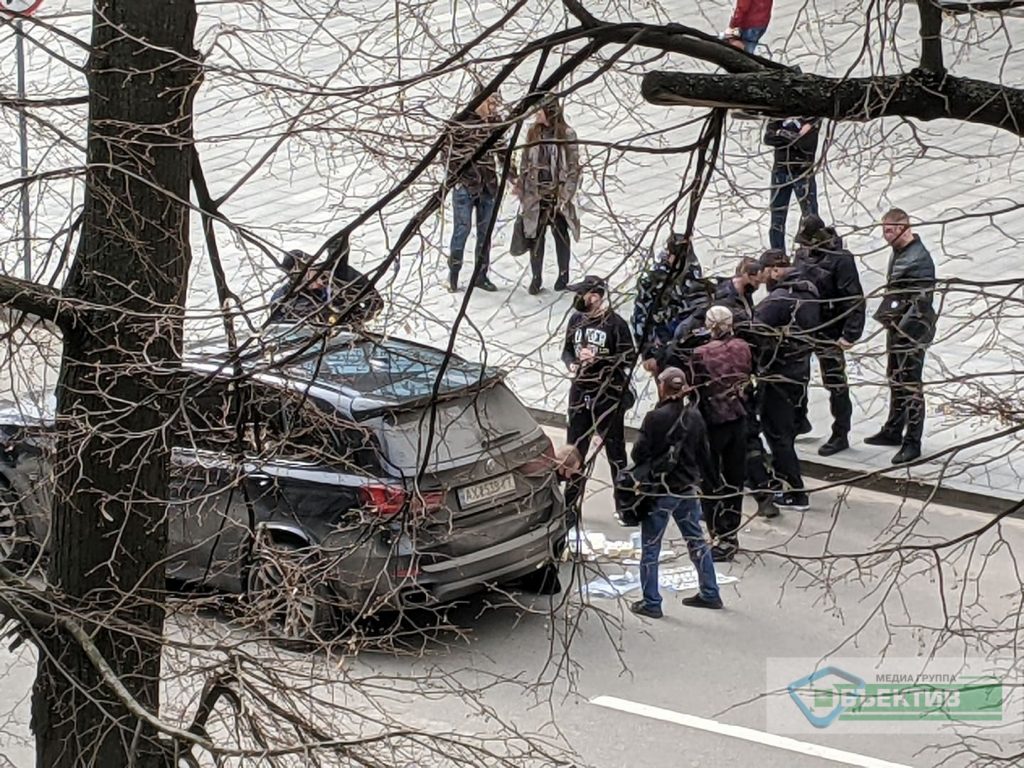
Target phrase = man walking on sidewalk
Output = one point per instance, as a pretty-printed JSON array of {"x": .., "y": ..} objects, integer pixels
[
  {"x": 909, "y": 317},
  {"x": 673, "y": 443}
]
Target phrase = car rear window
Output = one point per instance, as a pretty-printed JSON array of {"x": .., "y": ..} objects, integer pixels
[
  {"x": 483, "y": 423},
  {"x": 390, "y": 369}
]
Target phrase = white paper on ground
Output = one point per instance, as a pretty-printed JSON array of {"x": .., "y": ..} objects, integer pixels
[{"x": 681, "y": 579}]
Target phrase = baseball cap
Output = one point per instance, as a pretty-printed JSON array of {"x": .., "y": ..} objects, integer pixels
[
  {"x": 812, "y": 231},
  {"x": 589, "y": 284},
  {"x": 673, "y": 378},
  {"x": 774, "y": 257}
]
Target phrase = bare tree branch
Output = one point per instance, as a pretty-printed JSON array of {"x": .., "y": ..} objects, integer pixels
[
  {"x": 34, "y": 299},
  {"x": 918, "y": 94}
]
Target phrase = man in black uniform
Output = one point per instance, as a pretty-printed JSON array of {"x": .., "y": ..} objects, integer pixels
[
  {"x": 842, "y": 321},
  {"x": 783, "y": 324},
  {"x": 909, "y": 318},
  {"x": 599, "y": 353}
]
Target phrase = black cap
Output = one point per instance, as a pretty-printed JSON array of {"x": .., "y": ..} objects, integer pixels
[
  {"x": 589, "y": 284},
  {"x": 813, "y": 231},
  {"x": 294, "y": 259},
  {"x": 774, "y": 257}
]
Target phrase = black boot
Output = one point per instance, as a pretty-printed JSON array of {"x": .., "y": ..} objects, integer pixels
[
  {"x": 454, "y": 267},
  {"x": 835, "y": 444}
]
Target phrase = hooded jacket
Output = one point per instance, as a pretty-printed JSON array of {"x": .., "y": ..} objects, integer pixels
[
  {"x": 842, "y": 308},
  {"x": 607, "y": 336},
  {"x": 784, "y": 324},
  {"x": 907, "y": 307}
]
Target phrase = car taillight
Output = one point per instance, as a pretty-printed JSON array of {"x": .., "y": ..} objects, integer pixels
[
  {"x": 382, "y": 501},
  {"x": 542, "y": 464},
  {"x": 386, "y": 501},
  {"x": 423, "y": 503}
]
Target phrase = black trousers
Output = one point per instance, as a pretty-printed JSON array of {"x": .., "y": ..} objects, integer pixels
[
  {"x": 591, "y": 414},
  {"x": 780, "y": 404},
  {"x": 550, "y": 217},
  {"x": 832, "y": 364},
  {"x": 758, "y": 474},
  {"x": 724, "y": 510},
  {"x": 905, "y": 372}
]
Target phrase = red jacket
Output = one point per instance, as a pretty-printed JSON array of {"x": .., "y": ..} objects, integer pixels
[
  {"x": 750, "y": 14},
  {"x": 721, "y": 373}
]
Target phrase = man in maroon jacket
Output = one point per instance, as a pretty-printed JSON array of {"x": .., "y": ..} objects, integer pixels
[
  {"x": 721, "y": 374},
  {"x": 749, "y": 22}
]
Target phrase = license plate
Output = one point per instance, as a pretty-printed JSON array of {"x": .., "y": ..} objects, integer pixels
[{"x": 488, "y": 489}]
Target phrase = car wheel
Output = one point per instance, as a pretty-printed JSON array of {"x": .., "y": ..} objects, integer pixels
[
  {"x": 15, "y": 549},
  {"x": 288, "y": 595}
]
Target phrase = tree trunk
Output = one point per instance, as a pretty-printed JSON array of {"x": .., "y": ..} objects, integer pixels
[{"x": 127, "y": 285}]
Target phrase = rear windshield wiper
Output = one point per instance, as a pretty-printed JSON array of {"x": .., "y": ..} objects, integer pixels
[{"x": 504, "y": 437}]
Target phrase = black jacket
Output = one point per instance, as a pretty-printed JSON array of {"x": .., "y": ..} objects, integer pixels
[
  {"x": 609, "y": 337},
  {"x": 784, "y": 325},
  {"x": 740, "y": 304},
  {"x": 465, "y": 138},
  {"x": 907, "y": 307},
  {"x": 690, "y": 333},
  {"x": 673, "y": 442},
  {"x": 842, "y": 308},
  {"x": 792, "y": 150}
]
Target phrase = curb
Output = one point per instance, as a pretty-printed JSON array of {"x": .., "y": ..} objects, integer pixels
[{"x": 904, "y": 488}]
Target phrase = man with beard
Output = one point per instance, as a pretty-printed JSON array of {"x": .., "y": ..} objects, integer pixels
[
  {"x": 599, "y": 353},
  {"x": 842, "y": 321},
  {"x": 783, "y": 324}
]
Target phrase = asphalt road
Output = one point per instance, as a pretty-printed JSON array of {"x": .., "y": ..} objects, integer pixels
[{"x": 539, "y": 663}]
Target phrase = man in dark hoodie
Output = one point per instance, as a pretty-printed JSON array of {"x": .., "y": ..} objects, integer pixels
[
  {"x": 795, "y": 140},
  {"x": 784, "y": 322},
  {"x": 842, "y": 321},
  {"x": 673, "y": 444},
  {"x": 909, "y": 317},
  {"x": 599, "y": 353}
]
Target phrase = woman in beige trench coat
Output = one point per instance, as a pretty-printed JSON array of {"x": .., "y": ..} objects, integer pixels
[{"x": 549, "y": 177}]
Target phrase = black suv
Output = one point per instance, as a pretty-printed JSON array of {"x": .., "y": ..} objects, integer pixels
[{"x": 363, "y": 472}]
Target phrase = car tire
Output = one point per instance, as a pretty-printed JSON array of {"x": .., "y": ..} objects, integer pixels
[
  {"x": 288, "y": 598},
  {"x": 16, "y": 549}
]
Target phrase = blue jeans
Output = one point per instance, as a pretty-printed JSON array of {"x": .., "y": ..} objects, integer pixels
[
  {"x": 786, "y": 181},
  {"x": 687, "y": 514},
  {"x": 464, "y": 204},
  {"x": 750, "y": 37}
]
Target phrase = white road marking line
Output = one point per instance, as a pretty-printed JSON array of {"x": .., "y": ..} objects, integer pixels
[{"x": 747, "y": 734}]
